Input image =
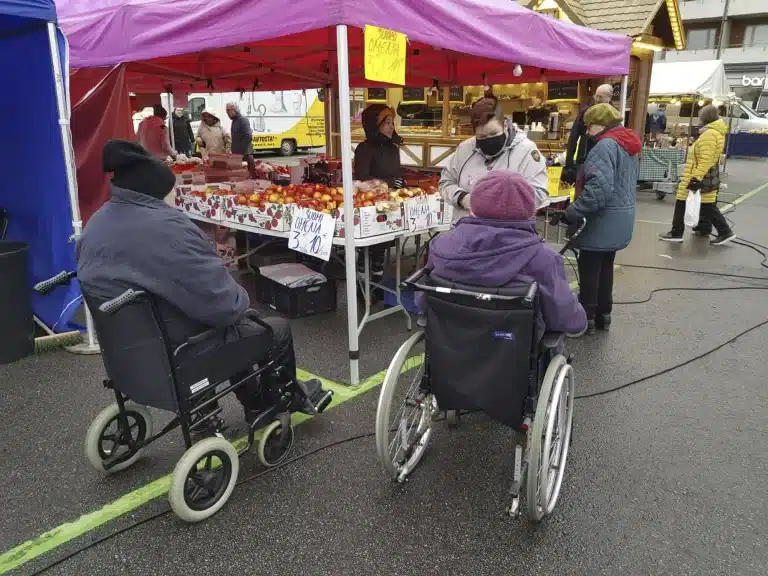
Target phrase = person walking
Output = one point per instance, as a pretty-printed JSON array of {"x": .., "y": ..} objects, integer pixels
[
  {"x": 702, "y": 175},
  {"x": 578, "y": 142},
  {"x": 242, "y": 136},
  {"x": 607, "y": 202},
  {"x": 183, "y": 136}
]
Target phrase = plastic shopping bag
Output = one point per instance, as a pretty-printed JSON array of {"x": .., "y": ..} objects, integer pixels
[{"x": 692, "y": 208}]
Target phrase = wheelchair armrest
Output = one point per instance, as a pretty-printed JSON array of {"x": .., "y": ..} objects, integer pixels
[
  {"x": 46, "y": 286},
  {"x": 203, "y": 336},
  {"x": 252, "y": 314},
  {"x": 112, "y": 306},
  {"x": 552, "y": 340}
]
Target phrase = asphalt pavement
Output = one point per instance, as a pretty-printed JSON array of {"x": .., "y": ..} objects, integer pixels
[{"x": 665, "y": 477}]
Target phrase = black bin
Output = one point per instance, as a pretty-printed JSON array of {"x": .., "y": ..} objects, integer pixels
[{"x": 17, "y": 329}]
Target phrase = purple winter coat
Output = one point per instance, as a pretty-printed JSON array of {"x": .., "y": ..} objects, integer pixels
[{"x": 496, "y": 253}]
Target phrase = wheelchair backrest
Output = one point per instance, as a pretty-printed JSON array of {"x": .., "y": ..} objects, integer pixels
[
  {"x": 480, "y": 348},
  {"x": 135, "y": 353}
]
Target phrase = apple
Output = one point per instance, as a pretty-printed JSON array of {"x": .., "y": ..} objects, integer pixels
[
  {"x": 290, "y": 200},
  {"x": 317, "y": 195},
  {"x": 274, "y": 198},
  {"x": 326, "y": 198}
]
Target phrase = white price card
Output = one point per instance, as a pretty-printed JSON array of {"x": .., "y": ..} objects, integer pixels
[
  {"x": 419, "y": 214},
  {"x": 312, "y": 233}
]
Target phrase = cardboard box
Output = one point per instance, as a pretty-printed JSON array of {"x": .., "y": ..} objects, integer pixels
[
  {"x": 368, "y": 222},
  {"x": 205, "y": 200},
  {"x": 276, "y": 217}
]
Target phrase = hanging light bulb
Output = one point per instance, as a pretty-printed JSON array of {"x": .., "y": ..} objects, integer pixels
[
  {"x": 701, "y": 102},
  {"x": 518, "y": 70}
]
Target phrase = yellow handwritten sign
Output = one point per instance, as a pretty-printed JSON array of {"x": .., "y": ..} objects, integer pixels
[{"x": 384, "y": 55}]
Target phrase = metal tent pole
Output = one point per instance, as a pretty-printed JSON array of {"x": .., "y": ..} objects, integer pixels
[
  {"x": 90, "y": 346},
  {"x": 170, "y": 120},
  {"x": 623, "y": 105},
  {"x": 342, "y": 52}
]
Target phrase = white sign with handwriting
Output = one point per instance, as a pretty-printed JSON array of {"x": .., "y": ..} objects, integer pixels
[
  {"x": 312, "y": 233},
  {"x": 419, "y": 214}
]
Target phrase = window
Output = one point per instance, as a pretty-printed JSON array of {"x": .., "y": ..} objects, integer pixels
[
  {"x": 701, "y": 38},
  {"x": 196, "y": 106},
  {"x": 756, "y": 35}
]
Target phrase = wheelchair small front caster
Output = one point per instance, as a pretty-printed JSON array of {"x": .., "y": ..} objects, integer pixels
[
  {"x": 452, "y": 418},
  {"x": 203, "y": 479},
  {"x": 275, "y": 443}
]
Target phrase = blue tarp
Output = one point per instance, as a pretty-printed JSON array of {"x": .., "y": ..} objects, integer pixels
[{"x": 33, "y": 182}]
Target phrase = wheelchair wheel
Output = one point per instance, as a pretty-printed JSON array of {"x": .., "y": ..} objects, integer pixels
[
  {"x": 105, "y": 439},
  {"x": 405, "y": 412},
  {"x": 272, "y": 449},
  {"x": 550, "y": 438},
  {"x": 203, "y": 479}
]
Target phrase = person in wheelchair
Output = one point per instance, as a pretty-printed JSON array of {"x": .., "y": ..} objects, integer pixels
[
  {"x": 136, "y": 240},
  {"x": 497, "y": 245}
]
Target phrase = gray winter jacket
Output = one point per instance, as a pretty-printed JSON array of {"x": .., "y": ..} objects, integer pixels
[
  {"x": 135, "y": 241},
  {"x": 607, "y": 199},
  {"x": 242, "y": 135},
  {"x": 468, "y": 164}
]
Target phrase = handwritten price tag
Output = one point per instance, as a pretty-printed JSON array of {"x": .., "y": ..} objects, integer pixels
[
  {"x": 312, "y": 233},
  {"x": 419, "y": 214},
  {"x": 384, "y": 55}
]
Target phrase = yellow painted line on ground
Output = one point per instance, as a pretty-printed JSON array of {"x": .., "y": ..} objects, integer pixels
[
  {"x": 60, "y": 535},
  {"x": 744, "y": 197}
]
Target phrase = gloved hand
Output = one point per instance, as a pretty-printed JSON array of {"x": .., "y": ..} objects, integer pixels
[
  {"x": 568, "y": 175},
  {"x": 694, "y": 184}
]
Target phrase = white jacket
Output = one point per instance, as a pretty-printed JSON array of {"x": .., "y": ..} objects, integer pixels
[{"x": 468, "y": 164}]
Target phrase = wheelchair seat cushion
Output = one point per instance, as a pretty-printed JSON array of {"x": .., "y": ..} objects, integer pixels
[{"x": 480, "y": 353}]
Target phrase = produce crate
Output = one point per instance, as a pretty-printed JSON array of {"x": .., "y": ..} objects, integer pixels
[
  {"x": 407, "y": 297},
  {"x": 299, "y": 301},
  {"x": 368, "y": 222}
]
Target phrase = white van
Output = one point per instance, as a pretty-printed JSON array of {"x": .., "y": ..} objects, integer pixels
[
  {"x": 285, "y": 120},
  {"x": 743, "y": 118}
]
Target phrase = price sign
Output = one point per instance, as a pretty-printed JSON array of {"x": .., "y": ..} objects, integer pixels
[
  {"x": 312, "y": 233},
  {"x": 384, "y": 55},
  {"x": 419, "y": 214}
]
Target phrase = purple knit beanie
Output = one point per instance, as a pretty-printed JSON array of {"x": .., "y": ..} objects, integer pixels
[{"x": 503, "y": 195}]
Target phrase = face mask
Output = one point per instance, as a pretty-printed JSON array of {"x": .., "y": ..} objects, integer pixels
[{"x": 492, "y": 145}]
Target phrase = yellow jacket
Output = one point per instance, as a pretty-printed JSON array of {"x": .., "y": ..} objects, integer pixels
[{"x": 704, "y": 154}]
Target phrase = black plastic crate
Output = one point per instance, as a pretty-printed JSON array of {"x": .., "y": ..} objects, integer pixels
[{"x": 299, "y": 301}]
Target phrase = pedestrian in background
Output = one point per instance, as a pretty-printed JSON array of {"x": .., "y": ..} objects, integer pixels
[{"x": 242, "y": 136}]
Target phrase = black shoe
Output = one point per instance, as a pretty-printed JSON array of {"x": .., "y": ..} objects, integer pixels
[
  {"x": 699, "y": 231},
  {"x": 316, "y": 398},
  {"x": 591, "y": 328},
  {"x": 672, "y": 236},
  {"x": 603, "y": 322},
  {"x": 723, "y": 239}
]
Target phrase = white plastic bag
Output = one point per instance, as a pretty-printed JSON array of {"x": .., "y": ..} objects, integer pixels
[{"x": 692, "y": 208}]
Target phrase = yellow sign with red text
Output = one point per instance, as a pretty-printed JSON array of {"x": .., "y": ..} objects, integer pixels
[{"x": 384, "y": 55}]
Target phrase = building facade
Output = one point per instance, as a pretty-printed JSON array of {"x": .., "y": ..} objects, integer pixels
[{"x": 735, "y": 31}]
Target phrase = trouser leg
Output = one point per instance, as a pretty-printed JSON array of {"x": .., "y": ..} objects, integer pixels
[
  {"x": 590, "y": 265},
  {"x": 678, "y": 218},
  {"x": 712, "y": 213},
  {"x": 605, "y": 284}
]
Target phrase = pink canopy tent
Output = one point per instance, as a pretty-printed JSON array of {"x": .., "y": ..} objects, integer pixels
[
  {"x": 191, "y": 44},
  {"x": 248, "y": 45}
]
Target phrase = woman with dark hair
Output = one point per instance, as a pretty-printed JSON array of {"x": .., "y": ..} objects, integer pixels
[
  {"x": 378, "y": 157},
  {"x": 496, "y": 145},
  {"x": 702, "y": 175}
]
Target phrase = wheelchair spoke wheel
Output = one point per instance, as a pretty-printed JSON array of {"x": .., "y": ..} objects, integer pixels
[
  {"x": 203, "y": 479},
  {"x": 273, "y": 448},
  {"x": 106, "y": 438},
  {"x": 550, "y": 439},
  {"x": 405, "y": 411}
]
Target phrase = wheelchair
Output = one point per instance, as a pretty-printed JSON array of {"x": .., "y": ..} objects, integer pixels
[
  {"x": 144, "y": 372},
  {"x": 480, "y": 352}
]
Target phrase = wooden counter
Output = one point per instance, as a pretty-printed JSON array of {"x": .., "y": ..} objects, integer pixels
[{"x": 433, "y": 152}]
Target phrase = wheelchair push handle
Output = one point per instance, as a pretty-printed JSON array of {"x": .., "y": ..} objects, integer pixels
[
  {"x": 46, "y": 286},
  {"x": 412, "y": 280},
  {"x": 112, "y": 306}
]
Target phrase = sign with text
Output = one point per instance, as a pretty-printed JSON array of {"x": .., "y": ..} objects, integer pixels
[
  {"x": 312, "y": 233},
  {"x": 419, "y": 214},
  {"x": 384, "y": 55}
]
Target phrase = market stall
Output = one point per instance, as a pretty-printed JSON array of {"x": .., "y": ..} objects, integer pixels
[
  {"x": 276, "y": 45},
  {"x": 39, "y": 190}
]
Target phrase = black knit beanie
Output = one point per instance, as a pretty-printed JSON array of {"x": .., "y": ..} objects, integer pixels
[{"x": 136, "y": 169}]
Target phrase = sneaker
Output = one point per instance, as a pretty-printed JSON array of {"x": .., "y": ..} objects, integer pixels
[
  {"x": 315, "y": 393},
  {"x": 591, "y": 328},
  {"x": 603, "y": 322},
  {"x": 421, "y": 321},
  {"x": 703, "y": 232},
  {"x": 671, "y": 236},
  {"x": 722, "y": 240}
]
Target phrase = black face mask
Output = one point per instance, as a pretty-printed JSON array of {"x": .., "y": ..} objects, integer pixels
[{"x": 492, "y": 145}]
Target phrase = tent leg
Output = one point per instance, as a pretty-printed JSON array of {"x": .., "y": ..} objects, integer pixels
[
  {"x": 170, "y": 119},
  {"x": 623, "y": 105},
  {"x": 342, "y": 50},
  {"x": 90, "y": 346}
]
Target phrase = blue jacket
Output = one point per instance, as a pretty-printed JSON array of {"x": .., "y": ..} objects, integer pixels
[
  {"x": 135, "y": 240},
  {"x": 607, "y": 199}
]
